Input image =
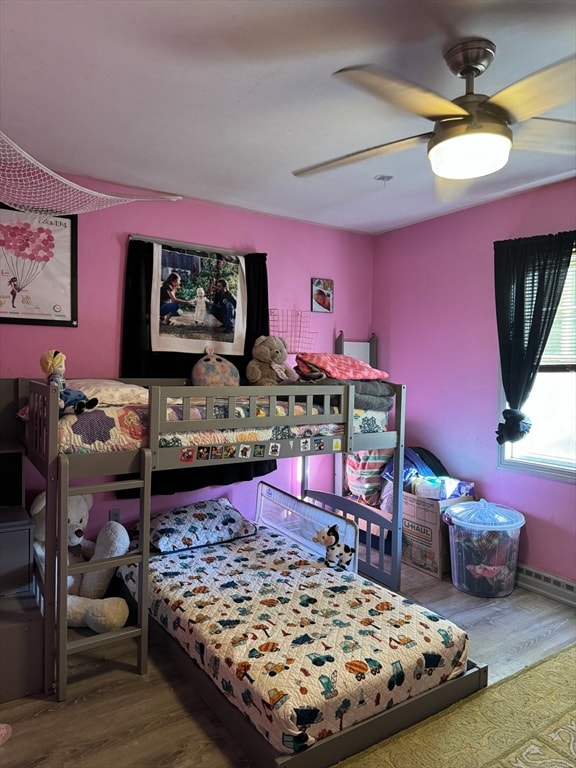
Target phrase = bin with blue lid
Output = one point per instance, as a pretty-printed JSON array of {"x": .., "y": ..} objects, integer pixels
[{"x": 484, "y": 539}]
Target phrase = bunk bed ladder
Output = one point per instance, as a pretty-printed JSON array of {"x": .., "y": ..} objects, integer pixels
[{"x": 64, "y": 646}]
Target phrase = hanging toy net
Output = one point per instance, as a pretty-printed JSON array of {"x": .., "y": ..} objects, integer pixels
[{"x": 26, "y": 185}]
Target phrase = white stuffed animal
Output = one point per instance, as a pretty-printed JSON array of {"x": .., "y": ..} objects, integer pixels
[{"x": 87, "y": 606}]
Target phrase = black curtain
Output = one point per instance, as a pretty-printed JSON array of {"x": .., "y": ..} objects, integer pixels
[
  {"x": 529, "y": 275},
  {"x": 139, "y": 361}
]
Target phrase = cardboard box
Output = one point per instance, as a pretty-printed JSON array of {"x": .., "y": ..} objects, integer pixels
[{"x": 425, "y": 541}]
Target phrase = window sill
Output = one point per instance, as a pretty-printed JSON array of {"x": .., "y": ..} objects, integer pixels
[{"x": 563, "y": 474}]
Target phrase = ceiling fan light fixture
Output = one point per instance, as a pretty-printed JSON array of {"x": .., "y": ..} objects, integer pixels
[{"x": 460, "y": 150}]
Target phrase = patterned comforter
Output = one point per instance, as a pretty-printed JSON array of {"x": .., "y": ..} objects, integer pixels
[
  {"x": 125, "y": 427},
  {"x": 301, "y": 649}
]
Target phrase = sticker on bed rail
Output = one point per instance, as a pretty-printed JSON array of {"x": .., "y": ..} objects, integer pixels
[
  {"x": 274, "y": 449},
  {"x": 245, "y": 451},
  {"x": 336, "y": 444},
  {"x": 319, "y": 444},
  {"x": 259, "y": 451},
  {"x": 305, "y": 444},
  {"x": 187, "y": 454},
  {"x": 203, "y": 453},
  {"x": 229, "y": 451}
]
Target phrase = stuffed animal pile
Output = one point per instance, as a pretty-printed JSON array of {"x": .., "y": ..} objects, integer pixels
[
  {"x": 87, "y": 606},
  {"x": 268, "y": 367}
]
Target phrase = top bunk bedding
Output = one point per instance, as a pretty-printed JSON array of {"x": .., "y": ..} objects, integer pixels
[{"x": 185, "y": 424}]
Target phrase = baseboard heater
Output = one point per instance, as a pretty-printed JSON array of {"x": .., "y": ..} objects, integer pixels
[{"x": 562, "y": 590}]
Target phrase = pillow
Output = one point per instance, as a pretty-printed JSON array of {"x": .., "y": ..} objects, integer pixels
[
  {"x": 110, "y": 391},
  {"x": 339, "y": 366},
  {"x": 364, "y": 472},
  {"x": 198, "y": 525}
]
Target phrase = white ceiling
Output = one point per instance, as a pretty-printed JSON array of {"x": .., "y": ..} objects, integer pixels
[{"x": 220, "y": 100}]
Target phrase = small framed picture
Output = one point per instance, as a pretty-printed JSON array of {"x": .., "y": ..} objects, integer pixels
[{"x": 322, "y": 294}]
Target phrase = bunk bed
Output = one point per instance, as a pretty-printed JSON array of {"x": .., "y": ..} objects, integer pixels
[
  {"x": 146, "y": 426},
  {"x": 181, "y": 427}
]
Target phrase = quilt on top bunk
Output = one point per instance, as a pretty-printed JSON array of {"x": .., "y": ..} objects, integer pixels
[
  {"x": 120, "y": 422},
  {"x": 301, "y": 649}
]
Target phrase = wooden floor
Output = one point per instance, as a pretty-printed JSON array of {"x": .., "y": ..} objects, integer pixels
[{"x": 116, "y": 719}]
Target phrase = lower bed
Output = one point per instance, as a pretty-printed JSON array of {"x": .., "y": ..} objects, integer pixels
[{"x": 302, "y": 651}]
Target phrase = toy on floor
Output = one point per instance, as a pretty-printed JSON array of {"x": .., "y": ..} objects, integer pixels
[
  {"x": 337, "y": 553},
  {"x": 53, "y": 363},
  {"x": 87, "y": 606},
  {"x": 267, "y": 366},
  {"x": 5, "y": 733}
]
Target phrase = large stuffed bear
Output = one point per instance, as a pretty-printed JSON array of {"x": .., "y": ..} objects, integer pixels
[
  {"x": 87, "y": 606},
  {"x": 267, "y": 367}
]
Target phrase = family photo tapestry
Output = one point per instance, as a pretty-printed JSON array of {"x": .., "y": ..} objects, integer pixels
[{"x": 199, "y": 298}]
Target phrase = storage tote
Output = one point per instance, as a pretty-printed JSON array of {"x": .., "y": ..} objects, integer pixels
[{"x": 484, "y": 540}]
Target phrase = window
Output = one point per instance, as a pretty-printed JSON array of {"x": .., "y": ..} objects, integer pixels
[{"x": 549, "y": 448}]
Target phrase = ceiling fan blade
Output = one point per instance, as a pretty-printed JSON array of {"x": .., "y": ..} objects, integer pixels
[
  {"x": 538, "y": 93},
  {"x": 365, "y": 154},
  {"x": 401, "y": 93},
  {"x": 448, "y": 190},
  {"x": 543, "y": 135}
]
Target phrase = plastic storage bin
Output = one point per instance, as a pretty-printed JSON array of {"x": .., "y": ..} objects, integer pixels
[{"x": 484, "y": 541}]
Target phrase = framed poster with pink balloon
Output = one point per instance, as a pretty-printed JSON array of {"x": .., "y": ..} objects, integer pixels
[{"x": 38, "y": 268}]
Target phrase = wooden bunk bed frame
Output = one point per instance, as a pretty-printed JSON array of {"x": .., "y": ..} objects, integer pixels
[{"x": 68, "y": 475}]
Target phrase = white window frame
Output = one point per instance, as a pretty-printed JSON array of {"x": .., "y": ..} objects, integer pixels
[{"x": 537, "y": 465}]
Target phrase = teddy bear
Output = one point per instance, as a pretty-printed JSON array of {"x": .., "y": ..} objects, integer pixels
[
  {"x": 267, "y": 367},
  {"x": 53, "y": 364},
  {"x": 87, "y": 606}
]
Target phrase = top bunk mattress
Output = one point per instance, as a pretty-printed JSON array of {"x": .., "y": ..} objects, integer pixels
[{"x": 121, "y": 421}]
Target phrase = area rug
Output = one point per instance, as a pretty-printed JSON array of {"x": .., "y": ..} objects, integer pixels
[{"x": 527, "y": 720}]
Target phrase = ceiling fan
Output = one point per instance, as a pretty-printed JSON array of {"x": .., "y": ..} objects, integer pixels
[{"x": 472, "y": 134}]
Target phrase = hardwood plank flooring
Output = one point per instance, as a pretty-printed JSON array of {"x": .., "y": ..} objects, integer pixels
[{"x": 114, "y": 718}]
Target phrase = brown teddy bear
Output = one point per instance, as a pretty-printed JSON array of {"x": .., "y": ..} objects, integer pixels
[{"x": 267, "y": 367}]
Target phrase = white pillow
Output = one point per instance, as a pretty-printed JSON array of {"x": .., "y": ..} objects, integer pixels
[{"x": 110, "y": 391}]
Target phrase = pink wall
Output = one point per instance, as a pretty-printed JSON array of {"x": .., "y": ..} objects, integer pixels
[
  {"x": 296, "y": 252},
  {"x": 434, "y": 313},
  {"x": 432, "y": 308}
]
